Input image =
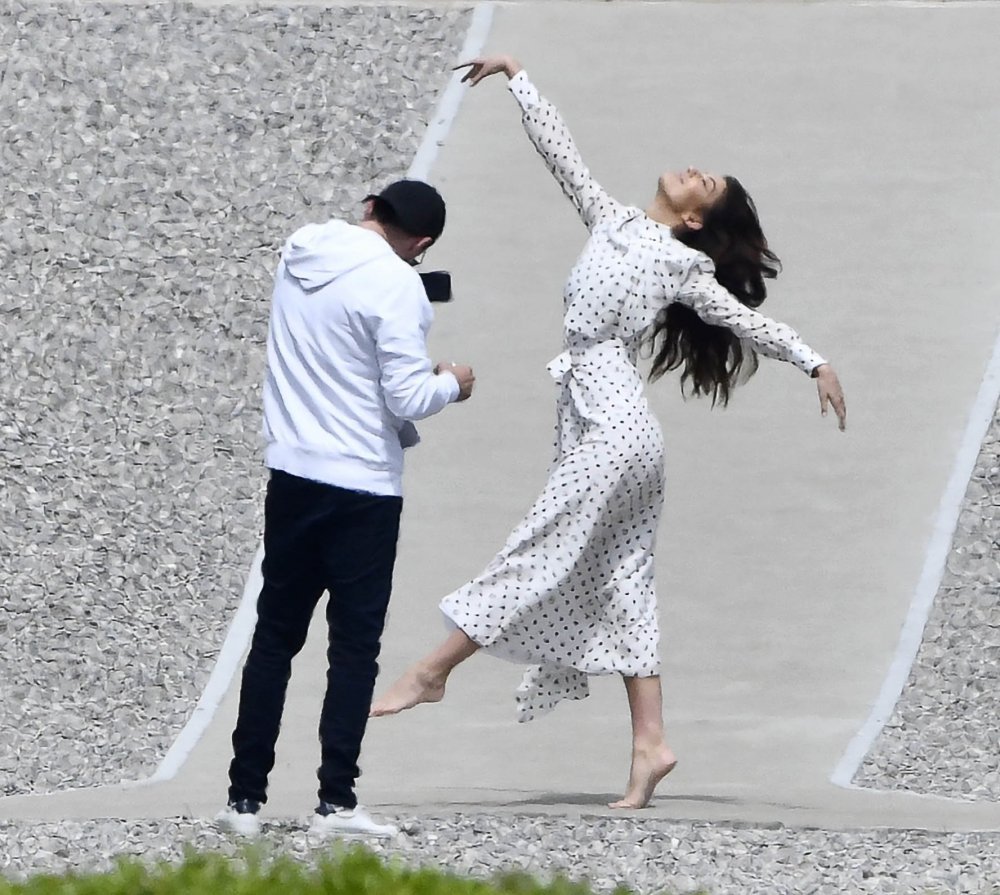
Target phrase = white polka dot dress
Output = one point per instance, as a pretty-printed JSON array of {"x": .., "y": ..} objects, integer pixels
[{"x": 572, "y": 591}]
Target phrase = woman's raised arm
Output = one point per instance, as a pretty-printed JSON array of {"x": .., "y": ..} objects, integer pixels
[{"x": 550, "y": 136}]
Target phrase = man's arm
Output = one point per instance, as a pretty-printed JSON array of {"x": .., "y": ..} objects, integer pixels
[{"x": 412, "y": 388}]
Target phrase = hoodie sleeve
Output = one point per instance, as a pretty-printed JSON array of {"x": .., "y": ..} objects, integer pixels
[{"x": 411, "y": 389}]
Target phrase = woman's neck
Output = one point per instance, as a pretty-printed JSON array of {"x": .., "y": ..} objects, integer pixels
[{"x": 660, "y": 210}]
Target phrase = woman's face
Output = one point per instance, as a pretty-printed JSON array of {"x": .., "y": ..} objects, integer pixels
[{"x": 693, "y": 191}]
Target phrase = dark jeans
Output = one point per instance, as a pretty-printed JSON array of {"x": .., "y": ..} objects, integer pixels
[{"x": 316, "y": 538}]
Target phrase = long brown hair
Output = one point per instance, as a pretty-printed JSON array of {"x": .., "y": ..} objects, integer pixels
[{"x": 711, "y": 358}]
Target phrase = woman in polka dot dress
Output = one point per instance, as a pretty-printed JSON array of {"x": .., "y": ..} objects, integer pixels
[{"x": 571, "y": 593}]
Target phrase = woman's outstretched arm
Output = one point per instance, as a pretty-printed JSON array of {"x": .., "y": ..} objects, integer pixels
[
  {"x": 550, "y": 136},
  {"x": 716, "y": 305}
]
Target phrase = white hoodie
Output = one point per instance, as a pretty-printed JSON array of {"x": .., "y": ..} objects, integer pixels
[{"x": 347, "y": 360}]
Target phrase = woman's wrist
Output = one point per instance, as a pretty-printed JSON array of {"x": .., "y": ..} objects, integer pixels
[{"x": 512, "y": 67}]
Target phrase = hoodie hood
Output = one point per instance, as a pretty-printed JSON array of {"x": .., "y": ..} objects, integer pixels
[{"x": 319, "y": 253}]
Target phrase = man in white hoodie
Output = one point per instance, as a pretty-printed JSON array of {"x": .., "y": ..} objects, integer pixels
[{"x": 348, "y": 373}]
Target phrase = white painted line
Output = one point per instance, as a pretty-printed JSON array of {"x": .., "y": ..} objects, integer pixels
[
  {"x": 451, "y": 96},
  {"x": 241, "y": 630},
  {"x": 939, "y": 546}
]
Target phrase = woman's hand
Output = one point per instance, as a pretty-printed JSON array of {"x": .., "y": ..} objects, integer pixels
[
  {"x": 830, "y": 392},
  {"x": 484, "y": 66}
]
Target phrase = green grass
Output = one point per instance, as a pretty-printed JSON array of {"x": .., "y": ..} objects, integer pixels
[{"x": 356, "y": 871}]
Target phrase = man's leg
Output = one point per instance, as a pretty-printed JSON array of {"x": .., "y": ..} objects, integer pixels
[
  {"x": 293, "y": 585},
  {"x": 359, "y": 562}
]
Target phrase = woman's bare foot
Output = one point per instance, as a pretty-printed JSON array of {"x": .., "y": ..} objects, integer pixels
[
  {"x": 415, "y": 686},
  {"x": 649, "y": 767}
]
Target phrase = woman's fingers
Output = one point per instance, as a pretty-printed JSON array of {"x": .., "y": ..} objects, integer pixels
[
  {"x": 831, "y": 394},
  {"x": 840, "y": 406},
  {"x": 480, "y": 67},
  {"x": 474, "y": 74}
]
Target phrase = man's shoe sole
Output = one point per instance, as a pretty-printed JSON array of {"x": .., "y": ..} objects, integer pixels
[{"x": 322, "y": 826}]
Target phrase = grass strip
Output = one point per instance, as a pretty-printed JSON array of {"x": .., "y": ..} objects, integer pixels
[{"x": 353, "y": 871}]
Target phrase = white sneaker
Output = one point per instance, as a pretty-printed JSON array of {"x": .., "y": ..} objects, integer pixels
[
  {"x": 240, "y": 818},
  {"x": 332, "y": 820}
]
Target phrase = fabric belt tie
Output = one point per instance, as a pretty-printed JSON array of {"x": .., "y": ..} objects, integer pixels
[
  {"x": 566, "y": 368},
  {"x": 561, "y": 366}
]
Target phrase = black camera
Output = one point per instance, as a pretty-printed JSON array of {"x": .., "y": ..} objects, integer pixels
[{"x": 437, "y": 285}]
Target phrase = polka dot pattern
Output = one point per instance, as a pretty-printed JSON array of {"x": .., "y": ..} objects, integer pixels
[{"x": 572, "y": 591}]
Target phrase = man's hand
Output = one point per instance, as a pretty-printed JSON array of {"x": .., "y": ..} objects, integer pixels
[
  {"x": 464, "y": 375},
  {"x": 830, "y": 392},
  {"x": 484, "y": 66}
]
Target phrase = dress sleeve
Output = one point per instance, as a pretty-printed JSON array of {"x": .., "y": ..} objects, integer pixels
[
  {"x": 550, "y": 136},
  {"x": 714, "y": 304}
]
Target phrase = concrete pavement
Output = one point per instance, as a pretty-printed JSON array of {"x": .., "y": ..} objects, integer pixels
[{"x": 789, "y": 553}]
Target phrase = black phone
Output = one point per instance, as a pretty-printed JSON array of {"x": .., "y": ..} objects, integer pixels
[{"x": 437, "y": 285}]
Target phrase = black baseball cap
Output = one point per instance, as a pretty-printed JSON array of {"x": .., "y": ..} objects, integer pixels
[{"x": 417, "y": 207}]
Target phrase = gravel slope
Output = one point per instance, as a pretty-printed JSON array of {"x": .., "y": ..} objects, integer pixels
[
  {"x": 943, "y": 736},
  {"x": 647, "y": 856},
  {"x": 155, "y": 158}
]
